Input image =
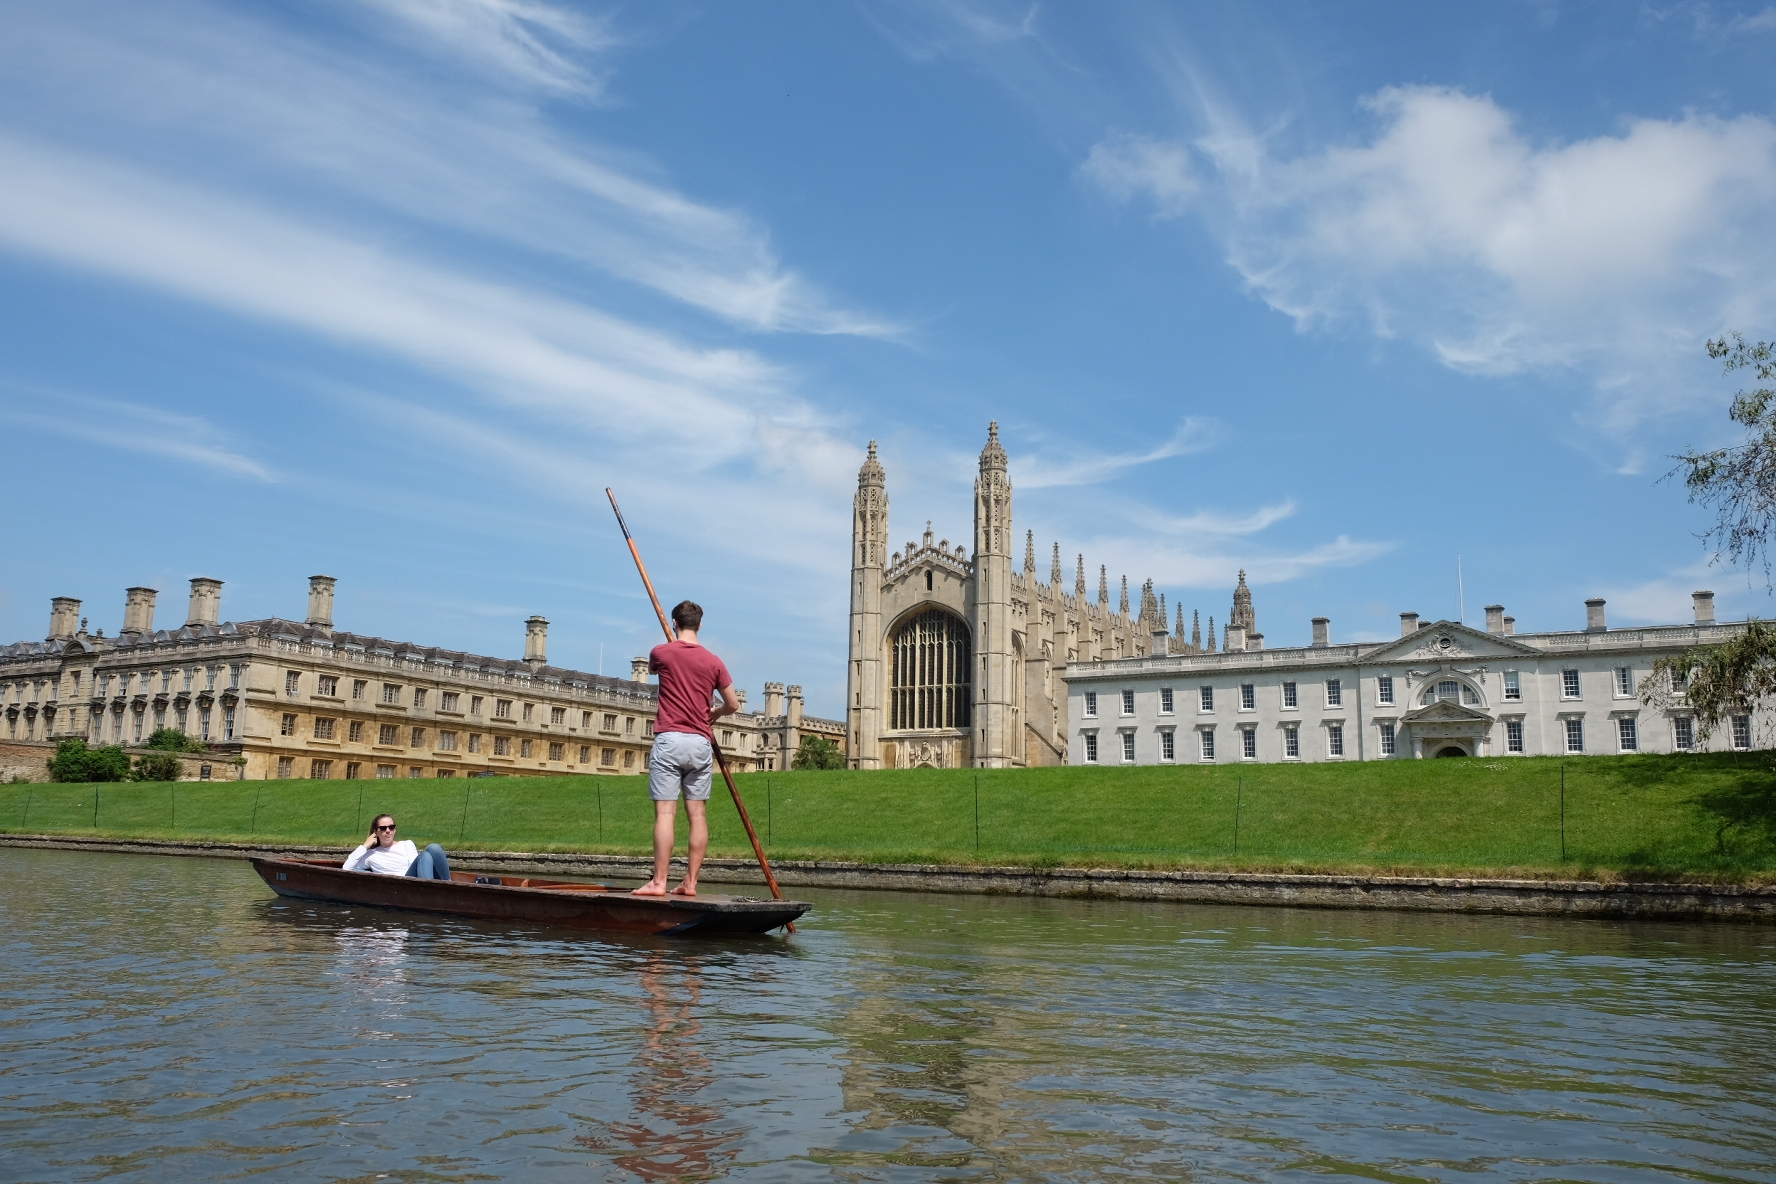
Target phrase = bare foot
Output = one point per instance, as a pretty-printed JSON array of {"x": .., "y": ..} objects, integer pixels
[
  {"x": 685, "y": 889},
  {"x": 651, "y": 888}
]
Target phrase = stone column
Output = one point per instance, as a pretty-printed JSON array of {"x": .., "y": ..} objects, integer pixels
[
  {"x": 206, "y": 602},
  {"x": 864, "y": 675},
  {"x": 992, "y": 674},
  {"x": 138, "y": 610}
]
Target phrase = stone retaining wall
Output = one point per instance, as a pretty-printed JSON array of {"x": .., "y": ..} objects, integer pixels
[
  {"x": 1411, "y": 893},
  {"x": 29, "y": 759}
]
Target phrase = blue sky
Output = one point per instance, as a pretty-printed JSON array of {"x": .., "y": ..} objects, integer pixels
[{"x": 392, "y": 289}]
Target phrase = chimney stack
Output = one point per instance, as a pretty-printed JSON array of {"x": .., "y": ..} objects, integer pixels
[
  {"x": 638, "y": 669},
  {"x": 740, "y": 695},
  {"x": 1233, "y": 641},
  {"x": 1322, "y": 632},
  {"x": 536, "y": 643},
  {"x": 773, "y": 699},
  {"x": 795, "y": 705},
  {"x": 1408, "y": 624},
  {"x": 1254, "y": 641},
  {"x": 320, "y": 603},
  {"x": 1594, "y": 622},
  {"x": 1702, "y": 602},
  {"x": 1495, "y": 618},
  {"x": 206, "y": 602},
  {"x": 138, "y": 610},
  {"x": 64, "y": 618},
  {"x": 1510, "y": 626}
]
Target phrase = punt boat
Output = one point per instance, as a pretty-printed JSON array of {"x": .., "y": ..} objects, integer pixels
[{"x": 526, "y": 898}]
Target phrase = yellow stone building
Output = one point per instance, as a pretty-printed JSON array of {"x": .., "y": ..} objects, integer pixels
[{"x": 305, "y": 700}]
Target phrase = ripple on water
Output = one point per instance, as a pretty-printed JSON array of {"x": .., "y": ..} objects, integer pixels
[{"x": 168, "y": 1019}]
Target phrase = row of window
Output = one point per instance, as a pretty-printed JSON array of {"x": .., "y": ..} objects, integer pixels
[
  {"x": 141, "y": 681},
  {"x": 321, "y": 769},
  {"x": 138, "y": 723},
  {"x": 327, "y": 686},
  {"x": 1452, "y": 690},
  {"x": 1627, "y": 735},
  {"x": 391, "y": 734}
]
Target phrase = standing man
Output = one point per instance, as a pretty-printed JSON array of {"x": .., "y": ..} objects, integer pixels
[{"x": 683, "y": 758}]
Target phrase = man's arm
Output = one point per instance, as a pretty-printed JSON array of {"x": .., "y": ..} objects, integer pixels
[{"x": 728, "y": 706}]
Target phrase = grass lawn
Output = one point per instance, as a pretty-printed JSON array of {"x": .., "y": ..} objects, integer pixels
[{"x": 1711, "y": 815}]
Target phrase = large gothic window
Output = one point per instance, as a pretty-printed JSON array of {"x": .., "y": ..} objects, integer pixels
[{"x": 929, "y": 680}]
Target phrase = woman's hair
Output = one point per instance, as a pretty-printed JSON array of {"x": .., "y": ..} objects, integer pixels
[{"x": 379, "y": 818}]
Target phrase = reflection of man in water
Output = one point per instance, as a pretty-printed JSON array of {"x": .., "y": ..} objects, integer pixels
[{"x": 670, "y": 1069}]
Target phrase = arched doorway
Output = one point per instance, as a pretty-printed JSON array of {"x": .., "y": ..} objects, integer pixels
[{"x": 1451, "y": 750}]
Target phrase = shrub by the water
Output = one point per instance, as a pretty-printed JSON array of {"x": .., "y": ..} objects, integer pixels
[
  {"x": 158, "y": 766},
  {"x": 74, "y": 761},
  {"x": 173, "y": 740},
  {"x": 817, "y": 752}
]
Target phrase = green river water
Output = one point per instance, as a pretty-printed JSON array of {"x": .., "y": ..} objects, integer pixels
[{"x": 169, "y": 1019}]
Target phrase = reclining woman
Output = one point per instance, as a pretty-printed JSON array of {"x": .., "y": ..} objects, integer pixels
[{"x": 381, "y": 853}]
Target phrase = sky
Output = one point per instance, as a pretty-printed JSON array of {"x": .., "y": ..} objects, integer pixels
[{"x": 1350, "y": 297}]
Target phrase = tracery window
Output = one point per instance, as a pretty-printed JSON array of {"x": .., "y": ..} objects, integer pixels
[{"x": 930, "y": 677}]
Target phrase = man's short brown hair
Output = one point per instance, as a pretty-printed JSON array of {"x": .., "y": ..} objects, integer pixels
[{"x": 687, "y": 614}]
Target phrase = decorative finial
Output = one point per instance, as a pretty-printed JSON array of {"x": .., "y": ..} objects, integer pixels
[
  {"x": 1054, "y": 574},
  {"x": 1079, "y": 579},
  {"x": 1029, "y": 552}
]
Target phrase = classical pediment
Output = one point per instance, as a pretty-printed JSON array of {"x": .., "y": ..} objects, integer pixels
[
  {"x": 1448, "y": 641},
  {"x": 1445, "y": 711}
]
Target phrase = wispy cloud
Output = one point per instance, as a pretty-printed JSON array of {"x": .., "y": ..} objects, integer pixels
[
  {"x": 1128, "y": 166},
  {"x": 1206, "y": 522},
  {"x": 1043, "y": 470},
  {"x": 260, "y": 116},
  {"x": 523, "y": 41},
  {"x": 130, "y": 427}
]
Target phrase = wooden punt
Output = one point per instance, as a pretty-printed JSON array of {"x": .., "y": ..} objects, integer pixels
[{"x": 528, "y": 898}]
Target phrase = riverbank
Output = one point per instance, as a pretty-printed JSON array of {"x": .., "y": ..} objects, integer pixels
[
  {"x": 1440, "y": 894},
  {"x": 1699, "y": 818}
]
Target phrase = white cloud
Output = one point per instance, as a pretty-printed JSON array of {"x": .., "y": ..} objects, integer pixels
[
  {"x": 530, "y": 43},
  {"x": 1210, "y": 523},
  {"x": 1665, "y": 599},
  {"x": 133, "y": 428},
  {"x": 252, "y": 111},
  {"x": 1039, "y": 471},
  {"x": 1612, "y": 256},
  {"x": 1126, "y": 166}
]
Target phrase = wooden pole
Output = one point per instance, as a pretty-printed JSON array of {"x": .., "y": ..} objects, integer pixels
[{"x": 721, "y": 760}]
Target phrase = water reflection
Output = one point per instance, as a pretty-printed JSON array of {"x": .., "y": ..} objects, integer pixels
[
  {"x": 165, "y": 1021},
  {"x": 672, "y": 1136}
]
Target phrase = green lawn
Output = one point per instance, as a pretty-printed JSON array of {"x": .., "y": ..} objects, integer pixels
[{"x": 1712, "y": 815}]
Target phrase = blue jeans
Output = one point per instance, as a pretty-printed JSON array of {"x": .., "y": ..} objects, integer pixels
[{"x": 431, "y": 864}]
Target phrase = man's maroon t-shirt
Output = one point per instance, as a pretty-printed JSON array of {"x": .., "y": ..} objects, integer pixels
[{"x": 689, "y": 677}]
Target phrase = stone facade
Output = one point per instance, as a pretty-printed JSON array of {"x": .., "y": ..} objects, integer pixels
[
  {"x": 957, "y": 657},
  {"x": 305, "y": 700},
  {"x": 1440, "y": 689}
]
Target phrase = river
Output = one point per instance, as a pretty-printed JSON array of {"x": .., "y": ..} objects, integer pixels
[{"x": 169, "y": 1019}]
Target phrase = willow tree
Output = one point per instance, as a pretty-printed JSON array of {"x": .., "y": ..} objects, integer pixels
[{"x": 1717, "y": 682}]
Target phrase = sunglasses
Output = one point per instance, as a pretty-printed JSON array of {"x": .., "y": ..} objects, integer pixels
[{"x": 380, "y": 826}]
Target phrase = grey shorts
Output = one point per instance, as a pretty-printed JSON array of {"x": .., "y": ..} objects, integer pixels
[{"x": 680, "y": 760}]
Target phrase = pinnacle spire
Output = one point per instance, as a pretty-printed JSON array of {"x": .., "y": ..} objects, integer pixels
[
  {"x": 1124, "y": 605},
  {"x": 1196, "y": 628},
  {"x": 1210, "y": 648},
  {"x": 1103, "y": 585},
  {"x": 1079, "y": 579},
  {"x": 871, "y": 472},
  {"x": 1054, "y": 574},
  {"x": 1030, "y": 553},
  {"x": 993, "y": 455}
]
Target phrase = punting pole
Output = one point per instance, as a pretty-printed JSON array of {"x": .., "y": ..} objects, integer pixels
[{"x": 721, "y": 760}]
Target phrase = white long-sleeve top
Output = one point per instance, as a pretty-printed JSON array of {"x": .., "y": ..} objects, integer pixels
[{"x": 390, "y": 861}]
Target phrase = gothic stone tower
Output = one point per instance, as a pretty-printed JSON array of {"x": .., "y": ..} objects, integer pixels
[
  {"x": 996, "y": 724},
  {"x": 869, "y": 554},
  {"x": 959, "y": 660}
]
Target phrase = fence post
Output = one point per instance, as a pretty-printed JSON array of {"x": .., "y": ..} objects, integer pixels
[
  {"x": 598, "y": 783},
  {"x": 95, "y": 807},
  {"x": 257, "y": 790},
  {"x": 767, "y": 812},
  {"x": 1239, "y": 791},
  {"x": 977, "y": 812},
  {"x": 463, "y": 826},
  {"x": 173, "y": 792},
  {"x": 1562, "y": 811}
]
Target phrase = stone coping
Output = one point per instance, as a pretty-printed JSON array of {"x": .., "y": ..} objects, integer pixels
[{"x": 1301, "y": 890}]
